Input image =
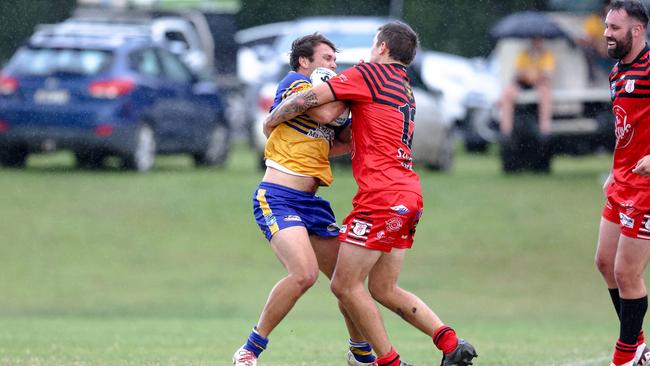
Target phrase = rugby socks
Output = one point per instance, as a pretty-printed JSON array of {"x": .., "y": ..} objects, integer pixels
[
  {"x": 632, "y": 313},
  {"x": 256, "y": 343},
  {"x": 362, "y": 351},
  {"x": 389, "y": 359},
  {"x": 445, "y": 339},
  {"x": 623, "y": 353},
  {"x": 616, "y": 300}
]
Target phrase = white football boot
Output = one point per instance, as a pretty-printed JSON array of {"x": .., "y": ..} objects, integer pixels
[
  {"x": 353, "y": 361},
  {"x": 244, "y": 357},
  {"x": 642, "y": 356}
]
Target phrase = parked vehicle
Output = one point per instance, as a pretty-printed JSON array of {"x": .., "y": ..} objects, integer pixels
[
  {"x": 185, "y": 34},
  {"x": 433, "y": 138},
  {"x": 469, "y": 92},
  {"x": 121, "y": 95}
]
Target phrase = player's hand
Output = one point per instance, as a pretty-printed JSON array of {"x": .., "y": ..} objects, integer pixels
[
  {"x": 643, "y": 167},
  {"x": 360, "y": 62}
]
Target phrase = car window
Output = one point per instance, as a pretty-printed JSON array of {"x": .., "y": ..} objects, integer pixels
[
  {"x": 342, "y": 40},
  {"x": 47, "y": 61},
  {"x": 145, "y": 62},
  {"x": 176, "y": 36},
  {"x": 173, "y": 68}
]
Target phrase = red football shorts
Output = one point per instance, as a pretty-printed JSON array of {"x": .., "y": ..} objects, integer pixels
[
  {"x": 382, "y": 220},
  {"x": 634, "y": 223}
]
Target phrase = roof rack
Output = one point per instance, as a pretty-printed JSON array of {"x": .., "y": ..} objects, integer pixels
[{"x": 88, "y": 33}]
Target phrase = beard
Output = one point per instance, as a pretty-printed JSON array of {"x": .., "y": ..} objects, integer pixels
[{"x": 623, "y": 47}]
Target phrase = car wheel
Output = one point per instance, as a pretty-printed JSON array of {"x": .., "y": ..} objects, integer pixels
[
  {"x": 218, "y": 148},
  {"x": 89, "y": 159},
  {"x": 445, "y": 158},
  {"x": 14, "y": 157},
  {"x": 142, "y": 158}
]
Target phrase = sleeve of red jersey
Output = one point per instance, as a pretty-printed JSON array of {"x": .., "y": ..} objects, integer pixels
[{"x": 349, "y": 85}]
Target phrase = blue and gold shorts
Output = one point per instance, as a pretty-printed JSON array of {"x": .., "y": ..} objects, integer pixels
[{"x": 277, "y": 207}]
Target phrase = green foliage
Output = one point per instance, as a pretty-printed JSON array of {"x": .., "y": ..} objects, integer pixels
[
  {"x": 169, "y": 268},
  {"x": 19, "y": 17}
]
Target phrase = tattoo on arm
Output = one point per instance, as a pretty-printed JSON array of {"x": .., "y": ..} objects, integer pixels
[{"x": 293, "y": 106}]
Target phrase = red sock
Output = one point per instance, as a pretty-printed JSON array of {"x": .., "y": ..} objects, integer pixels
[
  {"x": 623, "y": 353},
  {"x": 640, "y": 339},
  {"x": 445, "y": 339},
  {"x": 389, "y": 359}
]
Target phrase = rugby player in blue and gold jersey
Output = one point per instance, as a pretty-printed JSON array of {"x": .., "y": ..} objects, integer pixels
[{"x": 300, "y": 225}]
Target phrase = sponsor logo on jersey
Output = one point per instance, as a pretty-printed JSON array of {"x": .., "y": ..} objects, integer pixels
[
  {"x": 360, "y": 228},
  {"x": 624, "y": 131},
  {"x": 270, "y": 219},
  {"x": 381, "y": 234},
  {"x": 400, "y": 209},
  {"x": 322, "y": 132},
  {"x": 292, "y": 218},
  {"x": 629, "y": 86},
  {"x": 394, "y": 224},
  {"x": 342, "y": 77},
  {"x": 333, "y": 227},
  {"x": 626, "y": 220}
]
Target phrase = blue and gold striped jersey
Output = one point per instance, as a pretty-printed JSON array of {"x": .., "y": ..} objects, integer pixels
[{"x": 300, "y": 144}]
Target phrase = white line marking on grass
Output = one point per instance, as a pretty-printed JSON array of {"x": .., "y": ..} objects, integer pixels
[{"x": 589, "y": 361}]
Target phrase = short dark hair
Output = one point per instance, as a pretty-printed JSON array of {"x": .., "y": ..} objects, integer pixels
[
  {"x": 634, "y": 9},
  {"x": 401, "y": 39},
  {"x": 304, "y": 47}
]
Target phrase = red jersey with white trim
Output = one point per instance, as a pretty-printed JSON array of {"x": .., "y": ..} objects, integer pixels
[
  {"x": 383, "y": 112},
  {"x": 630, "y": 91}
]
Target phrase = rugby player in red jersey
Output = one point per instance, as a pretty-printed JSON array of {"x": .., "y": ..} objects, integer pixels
[
  {"x": 300, "y": 225},
  {"x": 624, "y": 235},
  {"x": 388, "y": 204}
]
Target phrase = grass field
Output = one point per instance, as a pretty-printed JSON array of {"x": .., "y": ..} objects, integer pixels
[{"x": 169, "y": 268}]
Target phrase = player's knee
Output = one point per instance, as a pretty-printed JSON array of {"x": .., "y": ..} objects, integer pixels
[
  {"x": 340, "y": 289},
  {"x": 604, "y": 265},
  {"x": 305, "y": 279},
  {"x": 381, "y": 292},
  {"x": 626, "y": 278}
]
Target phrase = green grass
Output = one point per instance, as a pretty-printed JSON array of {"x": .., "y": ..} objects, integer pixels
[{"x": 169, "y": 268}]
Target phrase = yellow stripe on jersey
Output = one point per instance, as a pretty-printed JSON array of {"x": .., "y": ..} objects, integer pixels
[
  {"x": 266, "y": 209},
  {"x": 296, "y": 87}
]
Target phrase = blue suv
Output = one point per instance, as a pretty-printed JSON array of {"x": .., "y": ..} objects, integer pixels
[{"x": 108, "y": 96}]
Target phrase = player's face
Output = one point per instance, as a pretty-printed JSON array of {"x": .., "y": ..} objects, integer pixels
[
  {"x": 324, "y": 56},
  {"x": 618, "y": 33}
]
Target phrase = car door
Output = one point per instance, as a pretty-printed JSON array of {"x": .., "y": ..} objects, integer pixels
[{"x": 176, "y": 111}]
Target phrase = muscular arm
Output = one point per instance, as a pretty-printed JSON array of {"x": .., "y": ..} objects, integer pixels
[
  {"x": 297, "y": 104},
  {"x": 326, "y": 113}
]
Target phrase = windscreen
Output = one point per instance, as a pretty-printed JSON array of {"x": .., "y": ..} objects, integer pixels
[{"x": 49, "y": 61}]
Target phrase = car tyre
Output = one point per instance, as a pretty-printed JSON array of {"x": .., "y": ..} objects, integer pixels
[
  {"x": 14, "y": 157},
  {"x": 218, "y": 147},
  {"x": 143, "y": 155}
]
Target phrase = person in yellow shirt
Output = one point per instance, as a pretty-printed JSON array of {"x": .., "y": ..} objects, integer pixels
[
  {"x": 534, "y": 69},
  {"x": 595, "y": 45}
]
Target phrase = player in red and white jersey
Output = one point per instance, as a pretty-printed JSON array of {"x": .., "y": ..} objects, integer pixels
[
  {"x": 388, "y": 204},
  {"x": 624, "y": 235}
]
